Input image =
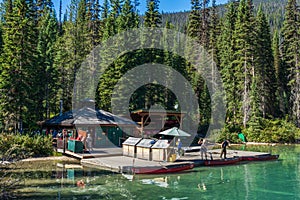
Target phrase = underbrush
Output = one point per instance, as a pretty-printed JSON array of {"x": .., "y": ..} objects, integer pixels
[{"x": 266, "y": 130}]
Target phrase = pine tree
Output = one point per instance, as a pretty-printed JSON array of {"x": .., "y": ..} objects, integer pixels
[
  {"x": 60, "y": 16},
  {"x": 152, "y": 18},
  {"x": 169, "y": 60},
  {"x": 105, "y": 10},
  {"x": 128, "y": 18},
  {"x": 204, "y": 27},
  {"x": 83, "y": 45},
  {"x": 109, "y": 78},
  {"x": 193, "y": 29},
  {"x": 66, "y": 61},
  {"x": 1, "y": 38},
  {"x": 17, "y": 105},
  {"x": 199, "y": 29},
  {"x": 126, "y": 21},
  {"x": 216, "y": 95},
  {"x": 226, "y": 45},
  {"x": 264, "y": 66},
  {"x": 291, "y": 56},
  {"x": 63, "y": 74},
  {"x": 244, "y": 56},
  {"x": 96, "y": 24},
  {"x": 48, "y": 30},
  {"x": 255, "y": 119},
  {"x": 281, "y": 77},
  {"x": 214, "y": 31},
  {"x": 111, "y": 25}
]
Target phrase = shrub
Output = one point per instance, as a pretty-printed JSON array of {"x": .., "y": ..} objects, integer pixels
[
  {"x": 277, "y": 131},
  {"x": 270, "y": 131},
  {"x": 36, "y": 145},
  {"x": 14, "y": 148}
]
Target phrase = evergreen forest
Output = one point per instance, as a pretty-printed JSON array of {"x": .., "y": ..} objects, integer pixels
[{"x": 255, "y": 45}]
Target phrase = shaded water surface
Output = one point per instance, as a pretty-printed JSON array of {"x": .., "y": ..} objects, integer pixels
[{"x": 257, "y": 180}]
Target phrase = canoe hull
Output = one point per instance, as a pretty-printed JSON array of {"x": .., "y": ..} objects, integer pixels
[
  {"x": 259, "y": 158},
  {"x": 160, "y": 169},
  {"x": 221, "y": 162}
]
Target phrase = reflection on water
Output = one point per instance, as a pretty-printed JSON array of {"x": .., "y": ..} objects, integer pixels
[{"x": 257, "y": 180}]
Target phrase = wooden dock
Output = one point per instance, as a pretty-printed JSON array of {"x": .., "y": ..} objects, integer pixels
[
  {"x": 215, "y": 154},
  {"x": 123, "y": 164},
  {"x": 119, "y": 163},
  {"x": 96, "y": 153},
  {"x": 196, "y": 158}
]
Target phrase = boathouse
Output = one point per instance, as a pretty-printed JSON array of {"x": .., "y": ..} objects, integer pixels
[
  {"x": 153, "y": 121},
  {"x": 105, "y": 128}
]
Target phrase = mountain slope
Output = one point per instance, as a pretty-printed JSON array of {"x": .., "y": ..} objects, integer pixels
[{"x": 274, "y": 10}]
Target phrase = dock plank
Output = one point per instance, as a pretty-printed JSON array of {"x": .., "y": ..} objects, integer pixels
[
  {"x": 117, "y": 163},
  {"x": 96, "y": 153},
  {"x": 216, "y": 154}
]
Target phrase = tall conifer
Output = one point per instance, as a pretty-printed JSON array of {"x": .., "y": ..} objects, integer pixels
[
  {"x": 244, "y": 56},
  {"x": 291, "y": 56},
  {"x": 226, "y": 46},
  {"x": 264, "y": 66},
  {"x": 48, "y": 29},
  {"x": 193, "y": 29},
  {"x": 152, "y": 18},
  {"x": 18, "y": 66},
  {"x": 281, "y": 77}
]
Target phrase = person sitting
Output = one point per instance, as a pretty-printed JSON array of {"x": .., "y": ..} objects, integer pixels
[{"x": 80, "y": 184}]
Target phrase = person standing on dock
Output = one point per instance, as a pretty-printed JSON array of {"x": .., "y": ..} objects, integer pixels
[
  {"x": 203, "y": 148},
  {"x": 179, "y": 146},
  {"x": 224, "y": 145},
  {"x": 89, "y": 142}
]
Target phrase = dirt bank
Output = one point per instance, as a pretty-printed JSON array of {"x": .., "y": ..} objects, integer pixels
[{"x": 52, "y": 158}]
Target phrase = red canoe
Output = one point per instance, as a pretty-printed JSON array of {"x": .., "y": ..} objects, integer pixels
[
  {"x": 160, "y": 169},
  {"x": 259, "y": 158},
  {"x": 229, "y": 161}
]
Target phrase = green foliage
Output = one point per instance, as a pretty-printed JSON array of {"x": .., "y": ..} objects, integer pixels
[
  {"x": 291, "y": 57},
  {"x": 25, "y": 145},
  {"x": 45, "y": 83},
  {"x": 278, "y": 131},
  {"x": 230, "y": 132},
  {"x": 152, "y": 17},
  {"x": 264, "y": 67},
  {"x": 226, "y": 46},
  {"x": 17, "y": 65},
  {"x": 40, "y": 57},
  {"x": 13, "y": 149},
  {"x": 194, "y": 19},
  {"x": 268, "y": 131}
]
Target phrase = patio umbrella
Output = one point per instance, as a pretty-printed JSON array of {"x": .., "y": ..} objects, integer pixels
[{"x": 175, "y": 132}]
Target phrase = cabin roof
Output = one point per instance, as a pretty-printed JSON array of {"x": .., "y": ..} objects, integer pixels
[{"x": 88, "y": 116}]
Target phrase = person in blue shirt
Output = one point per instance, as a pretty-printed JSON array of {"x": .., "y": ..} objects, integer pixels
[{"x": 179, "y": 146}]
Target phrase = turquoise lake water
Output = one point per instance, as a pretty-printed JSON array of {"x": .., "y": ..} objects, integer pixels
[{"x": 256, "y": 180}]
